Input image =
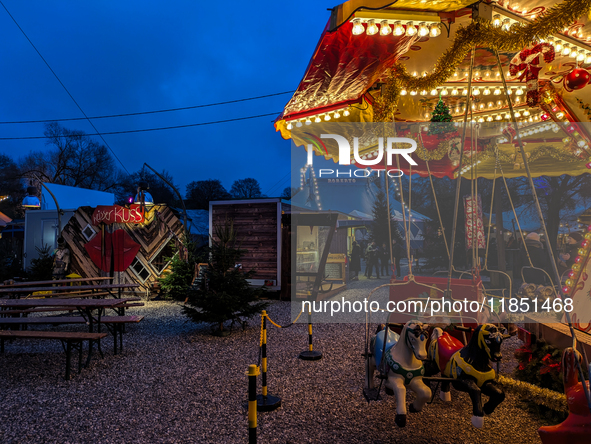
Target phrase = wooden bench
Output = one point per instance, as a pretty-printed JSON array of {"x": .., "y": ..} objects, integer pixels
[
  {"x": 71, "y": 294},
  {"x": 71, "y": 339},
  {"x": 117, "y": 323}
]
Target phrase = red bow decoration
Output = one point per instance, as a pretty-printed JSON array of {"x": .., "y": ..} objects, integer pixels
[
  {"x": 529, "y": 62},
  {"x": 550, "y": 365}
]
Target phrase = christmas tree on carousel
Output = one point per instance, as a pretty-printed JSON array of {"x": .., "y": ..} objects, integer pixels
[{"x": 442, "y": 120}]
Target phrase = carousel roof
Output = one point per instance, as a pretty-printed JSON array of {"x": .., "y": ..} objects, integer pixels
[{"x": 353, "y": 62}]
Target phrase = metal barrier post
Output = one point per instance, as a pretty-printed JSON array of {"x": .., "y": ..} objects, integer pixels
[
  {"x": 252, "y": 403},
  {"x": 265, "y": 402},
  {"x": 310, "y": 354}
]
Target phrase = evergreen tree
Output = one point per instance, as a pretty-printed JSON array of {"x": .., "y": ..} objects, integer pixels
[
  {"x": 225, "y": 294},
  {"x": 42, "y": 267},
  {"x": 379, "y": 231},
  {"x": 177, "y": 280},
  {"x": 442, "y": 118}
]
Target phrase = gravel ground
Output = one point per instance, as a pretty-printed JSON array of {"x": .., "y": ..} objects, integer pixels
[{"x": 175, "y": 383}]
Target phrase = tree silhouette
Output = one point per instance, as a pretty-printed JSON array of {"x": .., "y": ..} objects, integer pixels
[{"x": 246, "y": 188}]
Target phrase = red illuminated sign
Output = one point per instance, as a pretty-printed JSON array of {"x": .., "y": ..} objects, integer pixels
[{"x": 116, "y": 214}]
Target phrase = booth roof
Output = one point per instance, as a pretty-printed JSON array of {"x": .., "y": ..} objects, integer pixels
[{"x": 72, "y": 198}]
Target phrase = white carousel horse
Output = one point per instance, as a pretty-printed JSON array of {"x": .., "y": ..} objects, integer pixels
[{"x": 403, "y": 361}]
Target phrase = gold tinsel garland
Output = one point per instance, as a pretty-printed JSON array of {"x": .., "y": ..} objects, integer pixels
[
  {"x": 480, "y": 32},
  {"x": 548, "y": 398}
]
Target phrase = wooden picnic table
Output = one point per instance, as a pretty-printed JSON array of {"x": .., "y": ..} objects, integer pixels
[
  {"x": 68, "y": 288},
  {"x": 84, "y": 306},
  {"x": 57, "y": 281}
]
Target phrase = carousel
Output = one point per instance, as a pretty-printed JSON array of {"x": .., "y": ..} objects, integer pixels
[{"x": 465, "y": 91}]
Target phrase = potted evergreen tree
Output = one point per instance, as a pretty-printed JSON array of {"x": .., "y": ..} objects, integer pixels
[{"x": 225, "y": 294}]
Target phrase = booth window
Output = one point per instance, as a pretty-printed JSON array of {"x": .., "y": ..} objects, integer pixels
[
  {"x": 163, "y": 256},
  {"x": 140, "y": 270},
  {"x": 88, "y": 232}
]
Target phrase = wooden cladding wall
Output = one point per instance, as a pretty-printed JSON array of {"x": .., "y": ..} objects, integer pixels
[
  {"x": 160, "y": 227},
  {"x": 256, "y": 226}
]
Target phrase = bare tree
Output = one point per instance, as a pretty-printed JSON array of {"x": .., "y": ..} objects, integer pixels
[
  {"x": 246, "y": 188},
  {"x": 73, "y": 159}
]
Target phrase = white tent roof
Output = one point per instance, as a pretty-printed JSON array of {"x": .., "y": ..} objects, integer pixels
[{"x": 71, "y": 198}]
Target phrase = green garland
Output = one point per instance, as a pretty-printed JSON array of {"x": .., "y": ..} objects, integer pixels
[{"x": 480, "y": 32}]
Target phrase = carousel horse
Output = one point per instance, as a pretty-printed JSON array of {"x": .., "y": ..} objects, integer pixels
[
  {"x": 576, "y": 429},
  {"x": 403, "y": 356},
  {"x": 469, "y": 367}
]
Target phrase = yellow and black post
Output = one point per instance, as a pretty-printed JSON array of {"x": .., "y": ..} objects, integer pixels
[
  {"x": 310, "y": 354},
  {"x": 265, "y": 402},
  {"x": 253, "y": 372}
]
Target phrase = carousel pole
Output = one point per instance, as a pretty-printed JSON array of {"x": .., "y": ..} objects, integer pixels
[
  {"x": 459, "y": 181},
  {"x": 542, "y": 222}
]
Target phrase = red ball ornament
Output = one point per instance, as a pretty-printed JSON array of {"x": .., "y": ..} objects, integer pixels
[{"x": 576, "y": 79}]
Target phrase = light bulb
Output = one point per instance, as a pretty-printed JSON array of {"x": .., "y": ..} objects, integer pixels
[
  {"x": 327, "y": 117},
  {"x": 289, "y": 126},
  {"x": 402, "y": 92},
  {"x": 413, "y": 93},
  {"x": 519, "y": 91},
  {"x": 526, "y": 113},
  {"x": 566, "y": 49},
  {"x": 423, "y": 30},
  {"x": 480, "y": 119},
  {"x": 444, "y": 92},
  {"x": 489, "y": 119},
  {"x": 476, "y": 91},
  {"x": 337, "y": 114},
  {"x": 558, "y": 46},
  {"x": 358, "y": 27},
  {"x": 588, "y": 57},
  {"x": 454, "y": 91},
  {"x": 581, "y": 56},
  {"x": 496, "y": 21},
  {"x": 506, "y": 25},
  {"x": 517, "y": 114},
  {"x": 433, "y": 92},
  {"x": 498, "y": 117},
  {"x": 574, "y": 52},
  {"x": 372, "y": 28},
  {"x": 308, "y": 121},
  {"x": 346, "y": 113},
  {"x": 465, "y": 92},
  {"x": 434, "y": 30},
  {"x": 385, "y": 28},
  {"x": 317, "y": 119},
  {"x": 486, "y": 91},
  {"x": 398, "y": 29},
  {"x": 481, "y": 106},
  {"x": 410, "y": 29},
  {"x": 497, "y": 92},
  {"x": 424, "y": 92}
]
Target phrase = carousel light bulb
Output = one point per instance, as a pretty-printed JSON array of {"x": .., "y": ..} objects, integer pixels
[
  {"x": 299, "y": 124},
  {"x": 385, "y": 28},
  {"x": 526, "y": 113},
  {"x": 434, "y": 30},
  {"x": 496, "y": 21},
  {"x": 337, "y": 114},
  {"x": 490, "y": 104},
  {"x": 480, "y": 119},
  {"x": 454, "y": 91},
  {"x": 347, "y": 112},
  {"x": 457, "y": 110},
  {"x": 410, "y": 29},
  {"x": 486, "y": 91},
  {"x": 414, "y": 74},
  {"x": 566, "y": 49},
  {"x": 574, "y": 52},
  {"x": 413, "y": 93},
  {"x": 433, "y": 92},
  {"x": 317, "y": 119},
  {"x": 358, "y": 28},
  {"x": 289, "y": 126},
  {"x": 489, "y": 119},
  {"x": 517, "y": 114},
  {"x": 581, "y": 56},
  {"x": 481, "y": 106},
  {"x": 308, "y": 121},
  {"x": 497, "y": 92},
  {"x": 444, "y": 92},
  {"x": 402, "y": 92},
  {"x": 558, "y": 46},
  {"x": 372, "y": 28},
  {"x": 506, "y": 25},
  {"x": 519, "y": 91},
  {"x": 499, "y": 117},
  {"x": 423, "y": 30},
  {"x": 476, "y": 74},
  {"x": 588, "y": 57},
  {"x": 424, "y": 92},
  {"x": 398, "y": 29},
  {"x": 327, "y": 117},
  {"x": 476, "y": 91}
]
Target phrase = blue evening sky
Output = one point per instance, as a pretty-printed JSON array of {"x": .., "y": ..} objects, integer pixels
[{"x": 132, "y": 56}]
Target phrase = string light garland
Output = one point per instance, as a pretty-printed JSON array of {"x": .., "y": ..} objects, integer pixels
[{"x": 480, "y": 32}]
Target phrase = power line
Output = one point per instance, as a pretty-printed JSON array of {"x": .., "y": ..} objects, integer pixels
[
  {"x": 278, "y": 183},
  {"x": 64, "y": 86},
  {"x": 152, "y": 129},
  {"x": 149, "y": 112}
]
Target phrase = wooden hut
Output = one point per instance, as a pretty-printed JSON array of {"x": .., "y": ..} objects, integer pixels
[{"x": 156, "y": 233}]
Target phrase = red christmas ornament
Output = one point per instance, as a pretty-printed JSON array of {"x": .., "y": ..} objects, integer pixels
[{"x": 576, "y": 79}]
